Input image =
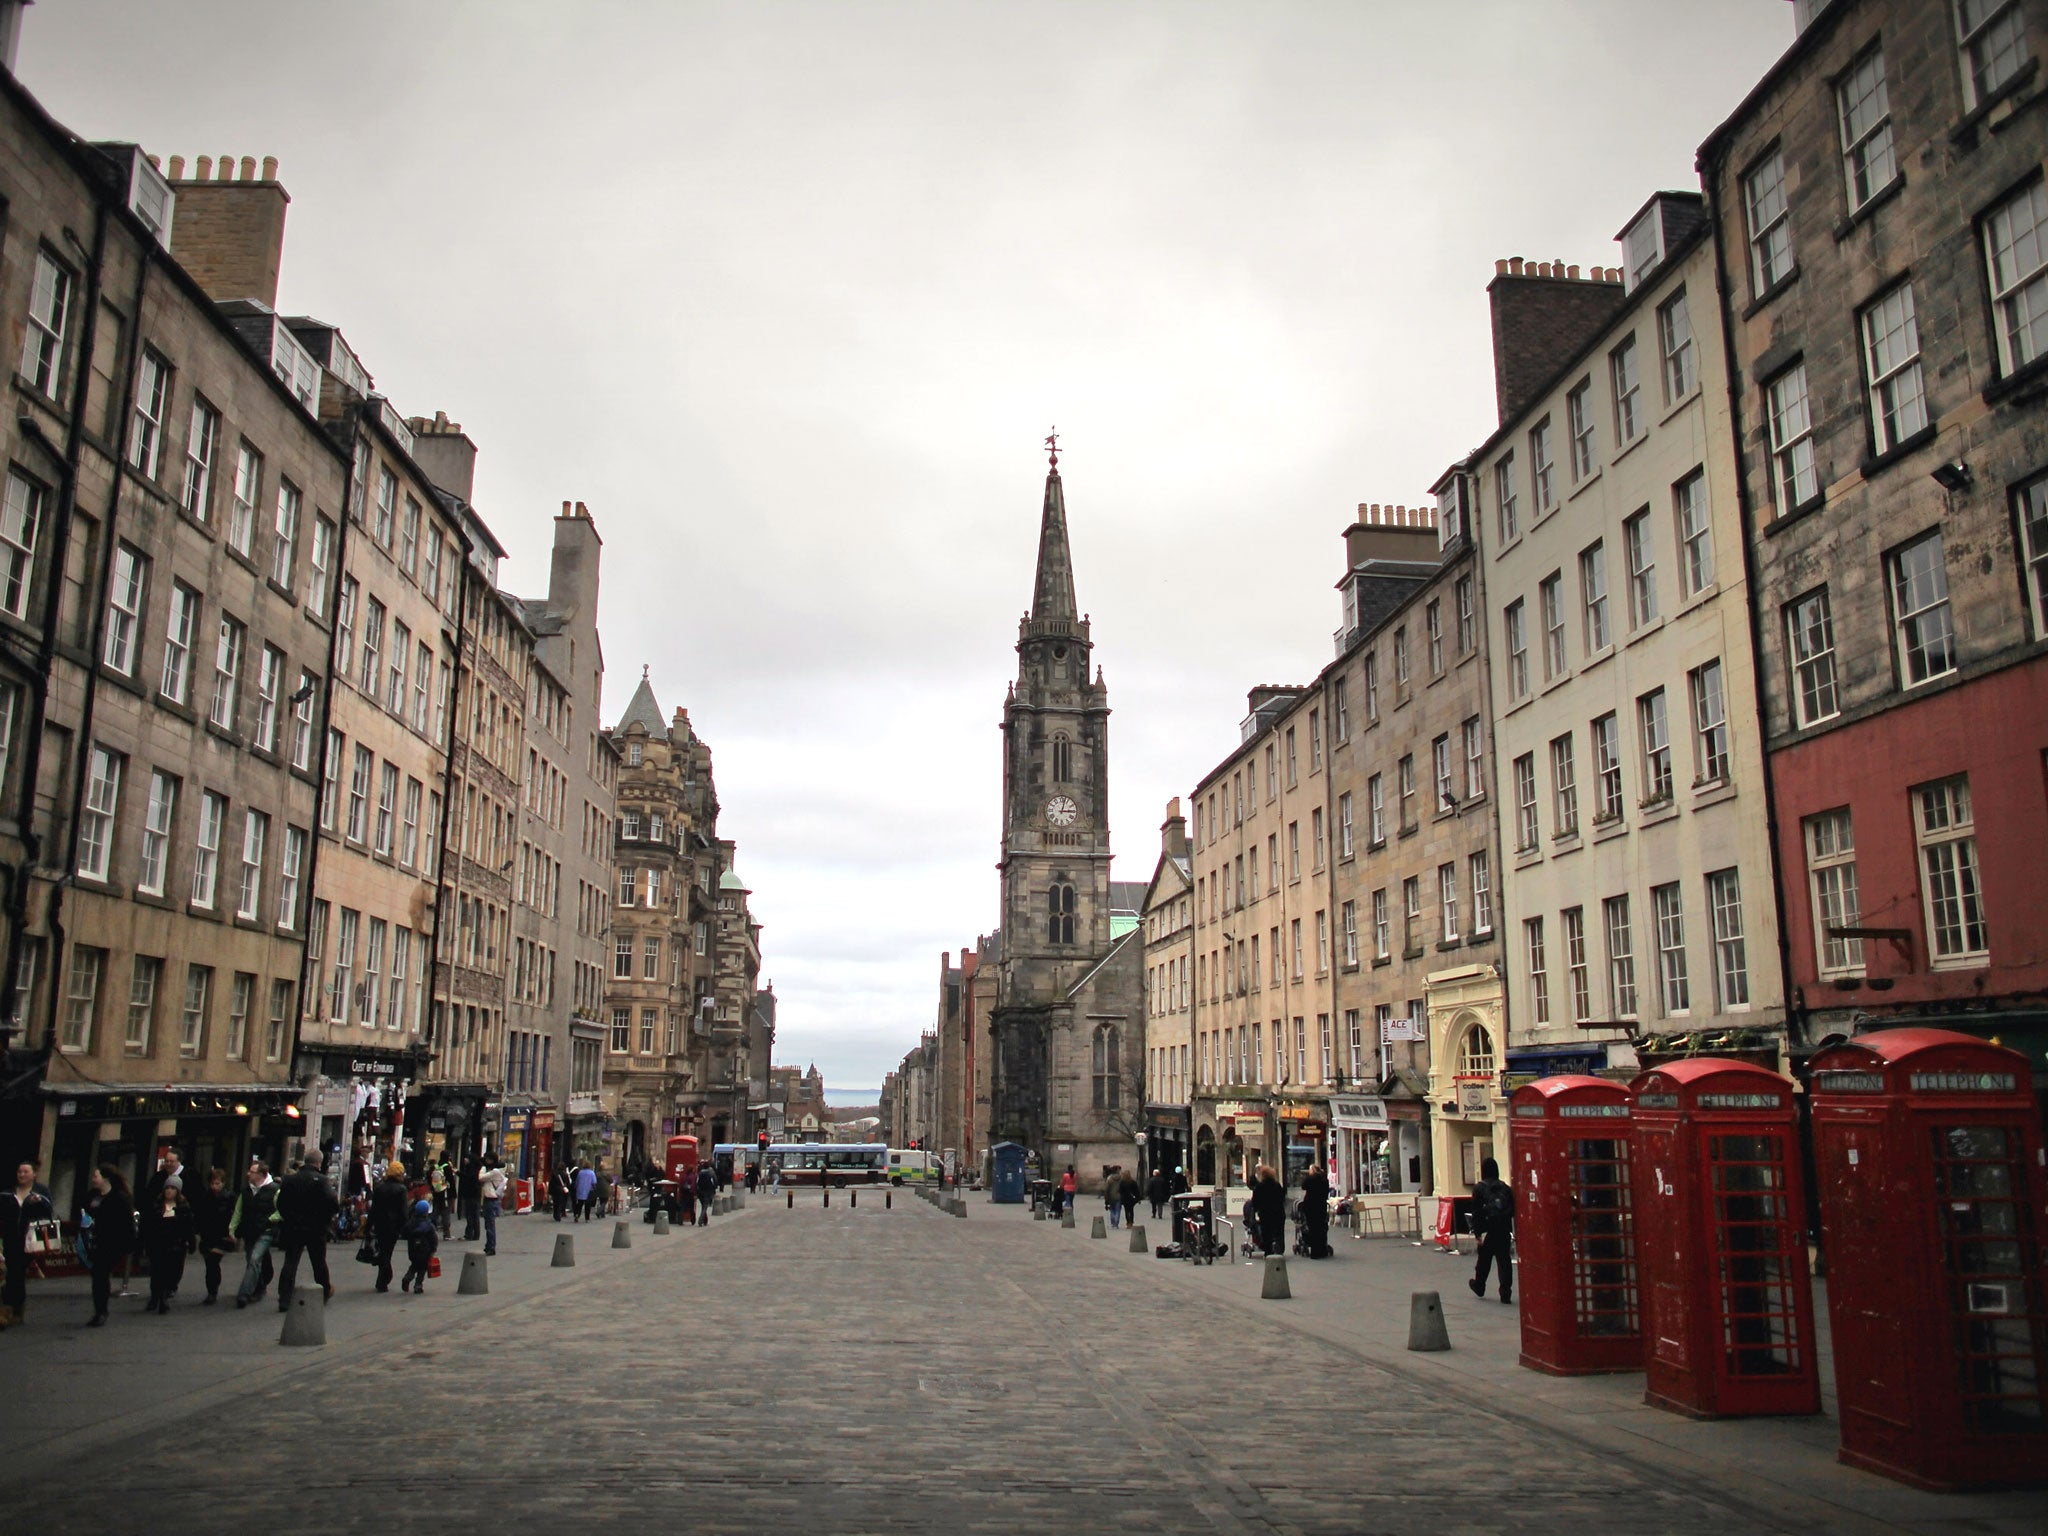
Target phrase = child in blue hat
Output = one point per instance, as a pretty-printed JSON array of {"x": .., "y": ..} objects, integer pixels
[{"x": 421, "y": 1239}]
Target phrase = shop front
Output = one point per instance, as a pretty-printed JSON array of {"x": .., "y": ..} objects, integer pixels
[
  {"x": 128, "y": 1125},
  {"x": 448, "y": 1120},
  {"x": 1466, "y": 1008},
  {"x": 1169, "y": 1143},
  {"x": 1304, "y": 1127},
  {"x": 1359, "y": 1127},
  {"x": 1532, "y": 1063},
  {"x": 355, "y": 1102},
  {"x": 587, "y": 1130}
]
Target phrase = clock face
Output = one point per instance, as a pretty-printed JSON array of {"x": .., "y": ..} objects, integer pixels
[{"x": 1060, "y": 811}]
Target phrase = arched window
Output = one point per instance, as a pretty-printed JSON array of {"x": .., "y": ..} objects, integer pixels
[
  {"x": 1475, "y": 1056},
  {"x": 1060, "y": 913},
  {"x": 1062, "y": 759},
  {"x": 1108, "y": 1080}
]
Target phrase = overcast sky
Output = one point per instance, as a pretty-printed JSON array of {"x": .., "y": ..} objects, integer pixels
[{"x": 790, "y": 293}]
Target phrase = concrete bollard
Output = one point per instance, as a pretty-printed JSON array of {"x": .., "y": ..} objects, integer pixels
[
  {"x": 622, "y": 1234},
  {"x": 959, "y": 1206},
  {"x": 660, "y": 1223},
  {"x": 1067, "y": 1217},
  {"x": 565, "y": 1252},
  {"x": 305, "y": 1320},
  {"x": 1038, "y": 1213},
  {"x": 1275, "y": 1287},
  {"x": 1098, "y": 1228},
  {"x": 476, "y": 1276},
  {"x": 1426, "y": 1330},
  {"x": 1138, "y": 1243}
]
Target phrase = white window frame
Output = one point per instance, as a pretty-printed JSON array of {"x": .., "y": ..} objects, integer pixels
[
  {"x": 1674, "y": 341},
  {"x": 2030, "y": 506},
  {"x": 1951, "y": 883},
  {"x": 1621, "y": 959},
  {"x": 227, "y": 669},
  {"x": 1863, "y": 108},
  {"x": 2016, "y": 264},
  {"x": 1770, "y": 230},
  {"x": 21, "y": 524},
  {"x": 1538, "y": 961},
  {"x": 1897, "y": 391},
  {"x": 290, "y": 871},
  {"x": 1599, "y": 633},
  {"x": 1506, "y": 504},
  {"x": 255, "y": 842},
  {"x": 1731, "y": 947},
  {"x": 1653, "y": 730},
  {"x": 1923, "y": 626},
  {"x": 158, "y": 817},
  {"x": 1585, "y": 435},
  {"x": 125, "y": 586},
  {"x": 49, "y": 318},
  {"x": 1711, "y": 740},
  {"x": 1830, "y": 839},
  {"x": 213, "y": 814},
  {"x": 1607, "y": 792},
  {"x": 248, "y": 490},
  {"x": 97, "y": 815},
  {"x": 1991, "y": 45},
  {"x": 1795, "y": 480},
  {"x": 202, "y": 446},
  {"x": 152, "y": 404},
  {"x": 1640, "y": 550},
  {"x": 1810, "y": 653},
  {"x": 1693, "y": 520},
  {"x": 1626, "y": 376}
]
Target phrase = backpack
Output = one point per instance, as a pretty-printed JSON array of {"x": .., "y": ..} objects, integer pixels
[{"x": 1495, "y": 1203}]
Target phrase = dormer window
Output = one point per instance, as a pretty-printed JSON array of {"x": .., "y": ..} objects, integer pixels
[{"x": 1642, "y": 246}]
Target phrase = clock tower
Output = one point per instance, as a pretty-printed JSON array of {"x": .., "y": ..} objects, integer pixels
[{"x": 1067, "y": 1023}]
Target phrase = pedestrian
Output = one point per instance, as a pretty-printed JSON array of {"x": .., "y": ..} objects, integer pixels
[
  {"x": 422, "y": 1238},
  {"x": 22, "y": 1202},
  {"x": 707, "y": 1186},
  {"x": 107, "y": 1225},
  {"x": 305, "y": 1213},
  {"x": 1269, "y": 1211},
  {"x": 753, "y": 1176},
  {"x": 490, "y": 1189},
  {"x": 1493, "y": 1217},
  {"x": 1070, "y": 1186},
  {"x": 256, "y": 1225},
  {"x": 586, "y": 1189},
  {"x": 613, "y": 1192},
  {"x": 1178, "y": 1184},
  {"x": 560, "y": 1191},
  {"x": 1112, "y": 1195},
  {"x": 1156, "y": 1190},
  {"x": 469, "y": 1194},
  {"x": 1127, "y": 1192},
  {"x": 213, "y": 1227},
  {"x": 169, "y": 1236},
  {"x": 440, "y": 1182},
  {"x": 389, "y": 1210},
  {"x": 1315, "y": 1212}
]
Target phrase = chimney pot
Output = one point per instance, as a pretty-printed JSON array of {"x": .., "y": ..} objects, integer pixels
[
  {"x": 1514, "y": 266},
  {"x": 224, "y": 168},
  {"x": 248, "y": 167},
  {"x": 565, "y": 509},
  {"x": 177, "y": 167},
  {"x": 154, "y": 163},
  {"x": 1500, "y": 267},
  {"x": 202, "y": 168},
  {"x": 1572, "y": 273},
  {"x": 270, "y": 167}
]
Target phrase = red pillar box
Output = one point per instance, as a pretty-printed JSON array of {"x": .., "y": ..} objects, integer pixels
[
  {"x": 1574, "y": 1238},
  {"x": 1721, "y": 1241},
  {"x": 1927, "y": 1148}
]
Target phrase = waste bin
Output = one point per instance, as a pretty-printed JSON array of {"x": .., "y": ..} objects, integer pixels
[
  {"x": 1194, "y": 1227},
  {"x": 1008, "y": 1186}
]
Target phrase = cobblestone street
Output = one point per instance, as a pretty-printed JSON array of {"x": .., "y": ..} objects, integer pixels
[{"x": 869, "y": 1370}]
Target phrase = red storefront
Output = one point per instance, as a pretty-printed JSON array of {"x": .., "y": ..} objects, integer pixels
[{"x": 1935, "y": 813}]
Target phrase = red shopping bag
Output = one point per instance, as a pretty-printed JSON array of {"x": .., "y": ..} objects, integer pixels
[{"x": 433, "y": 1266}]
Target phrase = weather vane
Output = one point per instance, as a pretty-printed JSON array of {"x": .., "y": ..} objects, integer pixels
[{"x": 1052, "y": 447}]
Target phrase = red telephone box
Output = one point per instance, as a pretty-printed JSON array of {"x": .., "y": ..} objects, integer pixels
[
  {"x": 1574, "y": 1237},
  {"x": 682, "y": 1160},
  {"x": 1933, "y": 1201},
  {"x": 1721, "y": 1241}
]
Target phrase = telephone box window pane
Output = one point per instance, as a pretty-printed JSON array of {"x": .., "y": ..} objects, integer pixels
[
  {"x": 1981, "y": 1228},
  {"x": 1755, "y": 1238}
]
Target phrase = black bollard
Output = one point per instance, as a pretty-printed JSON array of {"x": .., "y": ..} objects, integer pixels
[
  {"x": 853, "y": 1198},
  {"x": 792, "y": 1200},
  {"x": 828, "y": 1196},
  {"x": 888, "y": 1199}
]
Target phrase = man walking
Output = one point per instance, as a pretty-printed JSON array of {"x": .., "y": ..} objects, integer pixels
[
  {"x": 491, "y": 1193},
  {"x": 256, "y": 1227},
  {"x": 586, "y": 1189},
  {"x": 1155, "y": 1191},
  {"x": 707, "y": 1188},
  {"x": 1493, "y": 1216},
  {"x": 305, "y": 1211},
  {"x": 390, "y": 1209},
  {"x": 467, "y": 1191}
]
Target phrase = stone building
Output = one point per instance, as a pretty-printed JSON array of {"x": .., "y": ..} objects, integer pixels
[
  {"x": 1067, "y": 1026},
  {"x": 660, "y": 989},
  {"x": 1413, "y": 862},
  {"x": 1639, "y": 882},
  {"x": 1167, "y": 916},
  {"x": 1881, "y": 245},
  {"x": 725, "y": 1034},
  {"x": 161, "y": 596},
  {"x": 562, "y": 885}
]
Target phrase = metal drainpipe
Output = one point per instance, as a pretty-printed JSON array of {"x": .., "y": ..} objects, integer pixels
[
  {"x": 46, "y": 644},
  {"x": 333, "y": 611},
  {"x": 1746, "y": 513}
]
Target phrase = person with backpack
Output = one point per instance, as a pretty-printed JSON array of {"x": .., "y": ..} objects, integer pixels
[
  {"x": 305, "y": 1213},
  {"x": 422, "y": 1238},
  {"x": 1493, "y": 1217}
]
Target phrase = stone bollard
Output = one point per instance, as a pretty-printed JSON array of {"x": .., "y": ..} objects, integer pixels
[
  {"x": 476, "y": 1276},
  {"x": 959, "y": 1205},
  {"x": 1138, "y": 1243},
  {"x": 565, "y": 1252},
  {"x": 1426, "y": 1330},
  {"x": 660, "y": 1223},
  {"x": 1067, "y": 1217},
  {"x": 1038, "y": 1211},
  {"x": 622, "y": 1234},
  {"x": 1275, "y": 1287},
  {"x": 305, "y": 1320},
  {"x": 1097, "y": 1228}
]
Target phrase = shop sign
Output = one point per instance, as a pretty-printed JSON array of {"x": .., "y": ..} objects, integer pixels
[
  {"x": 1475, "y": 1098},
  {"x": 1367, "y": 1114},
  {"x": 543, "y": 1120},
  {"x": 1296, "y": 1112},
  {"x": 438, "y": 1120},
  {"x": 1229, "y": 1109}
]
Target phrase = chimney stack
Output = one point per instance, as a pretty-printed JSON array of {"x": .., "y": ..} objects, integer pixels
[{"x": 229, "y": 234}]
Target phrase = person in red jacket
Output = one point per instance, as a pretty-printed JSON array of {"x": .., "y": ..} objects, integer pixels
[{"x": 1069, "y": 1187}]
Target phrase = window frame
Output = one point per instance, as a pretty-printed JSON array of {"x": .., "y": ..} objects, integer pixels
[
  {"x": 1907, "y": 637},
  {"x": 1810, "y": 659},
  {"x": 1766, "y": 208},
  {"x": 2019, "y": 300},
  {"x": 1895, "y": 386}
]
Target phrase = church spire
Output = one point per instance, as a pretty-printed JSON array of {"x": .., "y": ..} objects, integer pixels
[{"x": 1053, "y": 596}]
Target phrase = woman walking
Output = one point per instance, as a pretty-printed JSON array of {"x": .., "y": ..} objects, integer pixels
[
  {"x": 389, "y": 1209},
  {"x": 109, "y": 1216},
  {"x": 1127, "y": 1192},
  {"x": 213, "y": 1226},
  {"x": 22, "y": 1202},
  {"x": 1269, "y": 1211},
  {"x": 168, "y": 1238}
]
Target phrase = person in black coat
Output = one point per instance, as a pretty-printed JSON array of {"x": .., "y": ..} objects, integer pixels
[
  {"x": 109, "y": 1216},
  {"x": 1493, "y": 1217},
  {"x": 167, "y": 1236},
  {"x": 1127, "y": 1197},
  {"x": 1156, "y": 1190},
  {"x": 390, "y": 1209},
  {"x": 213, "y": 1212},
  {"x": 23, "y": 1201},
  {"x": 305, "y": 1213},
  {"x": 469, "y": 1196},
  {"x": 1269, "y": 1211},
  {"x": 707, "y": 1187},
  {"x": 1315, "y": 1212},
  {"x": 422, "y": 1237}
]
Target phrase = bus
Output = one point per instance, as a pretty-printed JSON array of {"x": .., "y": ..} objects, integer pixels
[
  {"x": 909, "y": 1165},
  {"x": 833, "y": 1164}
]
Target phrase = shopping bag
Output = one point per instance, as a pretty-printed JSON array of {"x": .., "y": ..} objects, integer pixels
[
  {"x": 44, "y": 1238},
  {"x": 367, "y": 1254},
  {"x": 434, "y": 1266}
]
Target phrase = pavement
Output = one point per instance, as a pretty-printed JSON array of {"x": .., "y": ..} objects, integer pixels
[{"x": 864, "y": 1370}]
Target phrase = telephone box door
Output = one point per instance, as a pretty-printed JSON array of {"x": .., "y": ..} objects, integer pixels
[{"x": 1574, "y": 1232}]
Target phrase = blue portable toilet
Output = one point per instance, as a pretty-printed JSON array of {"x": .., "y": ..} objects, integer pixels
[{"x": 1009, "y": 1173}]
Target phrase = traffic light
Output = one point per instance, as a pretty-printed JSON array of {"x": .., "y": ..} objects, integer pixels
[{"x": 761, "y": 1141}]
